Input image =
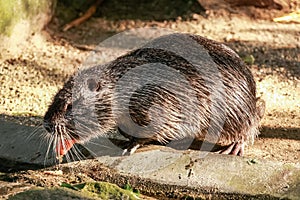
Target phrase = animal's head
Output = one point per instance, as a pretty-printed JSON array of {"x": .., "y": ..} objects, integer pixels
[{"x": 80, "y": 111}]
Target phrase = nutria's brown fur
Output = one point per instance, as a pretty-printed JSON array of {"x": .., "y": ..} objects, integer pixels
[{"x": 176, "y": 86}]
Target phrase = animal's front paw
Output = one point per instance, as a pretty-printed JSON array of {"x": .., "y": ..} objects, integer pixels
[{"x": 131, "y": 148}]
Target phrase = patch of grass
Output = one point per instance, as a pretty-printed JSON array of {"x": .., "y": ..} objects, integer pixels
[{"x": 128, "y": 187}]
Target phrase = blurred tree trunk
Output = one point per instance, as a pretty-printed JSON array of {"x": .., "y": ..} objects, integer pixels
[{"x": 20, "y": 19}]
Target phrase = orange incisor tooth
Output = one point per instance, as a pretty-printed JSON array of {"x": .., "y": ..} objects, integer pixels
[{"x": 64, "y": 146}]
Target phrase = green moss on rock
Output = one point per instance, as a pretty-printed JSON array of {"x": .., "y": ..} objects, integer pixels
[
  {"x": 104, "y": 190},
  {"x": 84, "y": 191}
]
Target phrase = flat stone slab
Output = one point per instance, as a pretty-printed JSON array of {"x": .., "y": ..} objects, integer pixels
[
  {"x": 194, "y": 172},
  {"x": 214, "y": 172},
  {"x": 22, "y": 144}
]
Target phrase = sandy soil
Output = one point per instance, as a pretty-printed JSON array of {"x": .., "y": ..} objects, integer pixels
[{"x": 31, "y": 74}]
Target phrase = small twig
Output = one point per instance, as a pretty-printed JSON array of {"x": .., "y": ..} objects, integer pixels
[
  {"x": 85, "y": 47},
  {"x": 84, "y": 17}
]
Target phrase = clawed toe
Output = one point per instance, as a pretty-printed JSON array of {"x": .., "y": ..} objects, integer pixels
[
  {"x": 130, "y": 149},
  {"x": 236, "y": 148}
]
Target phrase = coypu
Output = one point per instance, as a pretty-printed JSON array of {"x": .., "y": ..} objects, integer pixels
[{"x": 176, "y": 86}]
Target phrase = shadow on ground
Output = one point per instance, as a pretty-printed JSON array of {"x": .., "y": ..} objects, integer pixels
[
  {"x": 267, "y": 56},
  {"x": 280, "y": 133},
  {"x": 134, "y": 9}
]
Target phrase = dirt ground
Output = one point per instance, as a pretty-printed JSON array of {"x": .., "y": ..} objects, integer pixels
[{"x": 31, "y": 74}]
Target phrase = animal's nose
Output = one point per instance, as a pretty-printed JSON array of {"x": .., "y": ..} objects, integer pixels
[{"x": 49, "y": 127}]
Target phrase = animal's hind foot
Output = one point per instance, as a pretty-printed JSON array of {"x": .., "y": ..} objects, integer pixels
[{"x": 236, "y": 148}]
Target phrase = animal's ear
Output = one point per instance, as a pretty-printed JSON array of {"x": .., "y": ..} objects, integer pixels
[{"x": 93, "y": 85}]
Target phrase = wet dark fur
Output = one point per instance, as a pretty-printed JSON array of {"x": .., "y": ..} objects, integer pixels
[{"x": 70, "y": 116}]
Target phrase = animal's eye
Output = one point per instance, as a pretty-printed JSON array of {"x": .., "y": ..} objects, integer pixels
[{"x": 93, "y": 85}]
